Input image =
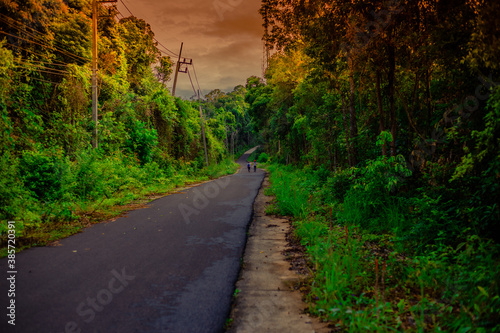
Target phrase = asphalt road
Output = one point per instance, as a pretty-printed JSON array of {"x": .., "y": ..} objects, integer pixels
[{"x": 170, "y": 267}]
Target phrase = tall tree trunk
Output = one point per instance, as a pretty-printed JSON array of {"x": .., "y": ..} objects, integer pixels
[
  {"x": 392, "y": 70},
  {"x": 335, "y": 158},
  {"x": 346, "y": 129},
  {"x": 428, "y": 98},
  {"x": 353, "y": 126},
  {"x": 381, "y": 122}
]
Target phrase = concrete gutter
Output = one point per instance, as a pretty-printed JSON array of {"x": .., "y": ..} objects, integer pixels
[{"x": 266, "y": 301}]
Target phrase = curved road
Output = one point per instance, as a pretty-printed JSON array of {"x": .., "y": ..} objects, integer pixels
[{"x": 170, "y": 267}]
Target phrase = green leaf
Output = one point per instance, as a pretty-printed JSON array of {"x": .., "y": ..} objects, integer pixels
[{"x": 481, "y": 289}]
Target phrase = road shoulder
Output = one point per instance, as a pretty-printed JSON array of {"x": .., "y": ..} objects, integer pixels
[{"x": 266, "y": 300}]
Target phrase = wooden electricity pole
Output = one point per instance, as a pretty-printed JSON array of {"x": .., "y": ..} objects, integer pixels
[
  {"x": 188, "y": 62},
  {"x": 177, "y": 67},
  {"x": 95, "y": 104},
  {"x": 95, "y": 144}
]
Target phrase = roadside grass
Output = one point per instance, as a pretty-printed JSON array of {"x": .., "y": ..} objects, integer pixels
[
  {"x": 368, "y": 275},
  {"x": 124, "y": 188}
]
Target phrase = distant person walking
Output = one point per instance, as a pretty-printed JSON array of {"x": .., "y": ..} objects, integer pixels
[
  {"x": 255, "y": 166},
  {"x": 248, "y": 166}
]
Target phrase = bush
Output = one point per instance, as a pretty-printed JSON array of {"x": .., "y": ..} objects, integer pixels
[
  {"x": 373, "y": 202},
  {"x": 337, "y": 186},
  {"x": 11, "y": 188},
  {"x": 142, "y": 140},
  {"x": 434, "y": 270},
  {"x": 263, "y": 158},
  {"x": 45, "y": 173}
]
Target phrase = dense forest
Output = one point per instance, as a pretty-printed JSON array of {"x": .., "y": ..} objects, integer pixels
[
  {"x": 382, "y": 121},
  {"x": 52, "y": 181}
]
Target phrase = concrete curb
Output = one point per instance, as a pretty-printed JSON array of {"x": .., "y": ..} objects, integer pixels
[{"x": 265, "y": 301}]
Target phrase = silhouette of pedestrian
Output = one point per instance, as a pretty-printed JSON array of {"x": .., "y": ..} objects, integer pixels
[
  {"x": 248, "y": 166},
  {"x": 255, "y": 166}
]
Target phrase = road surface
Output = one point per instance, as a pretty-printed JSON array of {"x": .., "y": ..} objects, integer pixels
[{"x": 170, "y": 267}]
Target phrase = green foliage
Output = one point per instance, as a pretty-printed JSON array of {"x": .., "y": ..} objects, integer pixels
[
  {"x": 225, "y": 167},
  {"x": 164, "y": 69},
  {"x": 385, "y": 258},
  {"x": 263, "y": 158},
  {"x": 486, "y": 152},
  {"x": 374, "y": 136},
  {"x": 141, "y": 141},
  {"x": 52, "y": 182},
  {"x": 337, "y": 186},
  {"x": 292, "y": 199},
  {"x": 371, "y": 201},
  {"x": 6, "y": 62},
  {"x": 45, "y": 173},
  {"x": 11, "y": 189},
  {"x": 254, "y": 156}
]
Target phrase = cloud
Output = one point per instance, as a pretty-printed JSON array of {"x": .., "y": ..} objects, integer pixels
[{"x": 223, "y": 37}]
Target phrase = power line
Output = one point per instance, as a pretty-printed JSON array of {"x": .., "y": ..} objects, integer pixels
[
  {"x": 50, "y": 63},
  {"x": 167, "y": 53},
  {"x": 32, "y": 52},
  {"x": 20, "y": 24},
  {"x": 192, "y": 85},
  {"x": 72, "y": 55},
  {"x": 119, "y": 13},
  {"x": 41, "y": 55},
  {"x": 42, "y": 67},
  {"x": 38, "y": 40},
  {"x": 166, "y": 48},
  {"x": 40, "y": 70},
  {"x": 123, "y": 3},
  {"x": 42, "y": 80},
  {"x": 202, "y": 117},
  {"x": 196, "y": 77},
  {"x": 154, "y": 38},
  {"x": 39, "y": 37}
]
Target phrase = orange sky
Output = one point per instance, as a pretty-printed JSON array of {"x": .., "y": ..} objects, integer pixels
[{"x": 223, "y": 37}]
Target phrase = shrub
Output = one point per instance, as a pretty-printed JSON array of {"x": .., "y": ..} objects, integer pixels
[
  {"x": 142, "y": 140},
  {"x": 45, "y": 173},
  {"x": 373, "y": 201},
  {"x": 11, "y": 189},
  {"x": 337, "y": 186},
  {"x": 263, "y": 158}
]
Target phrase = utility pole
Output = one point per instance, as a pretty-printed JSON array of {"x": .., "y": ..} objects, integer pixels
[
  {"x": 177, "y": 67},
  {"x": 265, "y": 39},
  {"x": 232, "y": 143},
  {"x": 178, "y": 70},
  {"x": 95, "y": 104},
  {"x": 203, "y": 128},
  {"x": 95, "y": 144},
  {"x": 225, "y": 129}
]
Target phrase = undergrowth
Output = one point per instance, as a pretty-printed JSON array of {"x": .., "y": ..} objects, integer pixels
[
  {"x": 50, "y": 196},
  {"x": 385, "y": 257}
]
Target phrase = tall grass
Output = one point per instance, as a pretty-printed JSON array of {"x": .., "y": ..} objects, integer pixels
[
  {"x": 372, "y": 268},
  {"x": 290, "y": 192}
]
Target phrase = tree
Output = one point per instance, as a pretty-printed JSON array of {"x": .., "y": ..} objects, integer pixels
[{"x": 164, "y": 69}]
